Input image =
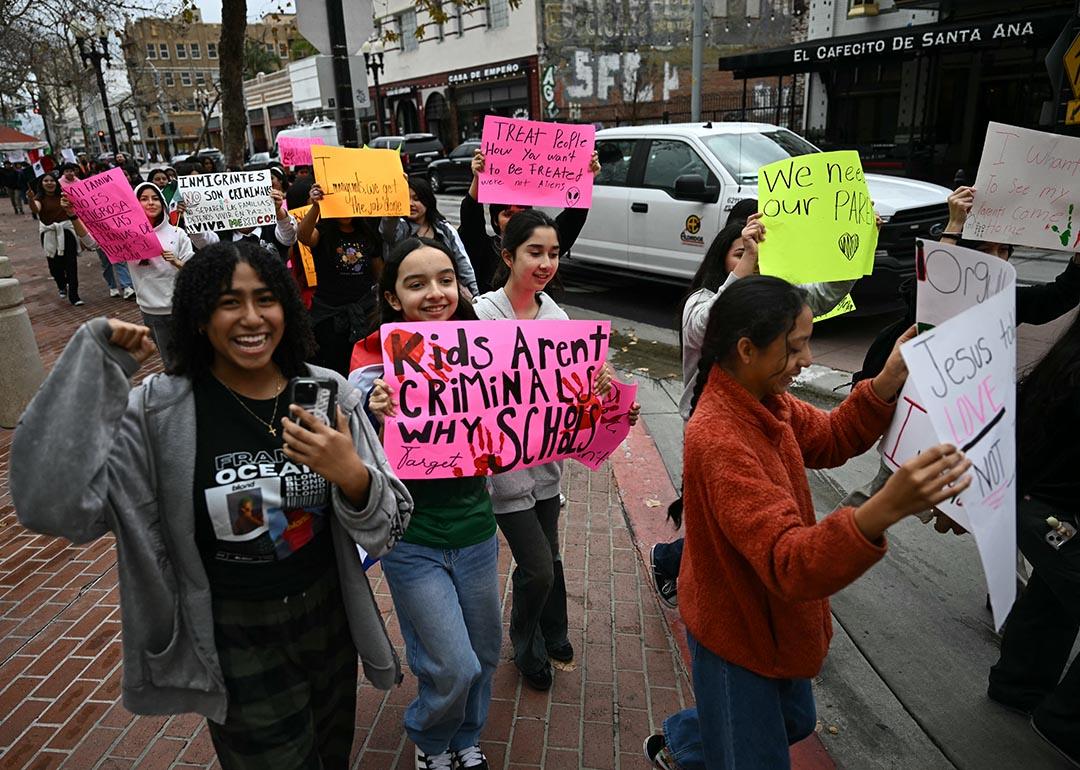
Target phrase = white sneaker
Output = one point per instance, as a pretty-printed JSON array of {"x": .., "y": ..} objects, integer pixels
[
  {"x": 129, "y": 293},
  {"x": 444, "y": 761},
  {"x": 471, "y": 758},
  {"x": 114, "y": 292}
]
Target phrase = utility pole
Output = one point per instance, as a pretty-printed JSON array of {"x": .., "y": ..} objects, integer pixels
[
  {"x": 339, "y": 51},
  {"x": 697, "y": 55},
  {"x": 89, "y": 54}
]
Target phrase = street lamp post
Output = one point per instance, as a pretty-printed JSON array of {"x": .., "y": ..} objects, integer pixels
[
  {"x": 373, "y": 60},
  {"x": 89, "y": 53}
]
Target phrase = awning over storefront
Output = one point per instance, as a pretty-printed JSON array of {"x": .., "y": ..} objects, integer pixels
[
  {"x": 903, "y": 43},
  {"x": 10, "y": 139}
]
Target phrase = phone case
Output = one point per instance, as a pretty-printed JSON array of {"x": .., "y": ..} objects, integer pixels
[{"x": 324, "y": 405}]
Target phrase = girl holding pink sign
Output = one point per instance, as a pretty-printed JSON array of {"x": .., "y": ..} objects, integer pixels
[
  {"x": 526, "y": 502},
  {"x": 443, "y": 575}
]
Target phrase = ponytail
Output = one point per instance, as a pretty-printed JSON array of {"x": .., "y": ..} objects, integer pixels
[{"x": 759, "y": 308}]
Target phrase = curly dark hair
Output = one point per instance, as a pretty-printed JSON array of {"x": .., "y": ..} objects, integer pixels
[
  {"x": 388, "y": 280},
  {"x": 202, "y": 281}
]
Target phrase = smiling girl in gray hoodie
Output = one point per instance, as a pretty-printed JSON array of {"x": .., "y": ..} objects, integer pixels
[{"x": 526, "y": 502}]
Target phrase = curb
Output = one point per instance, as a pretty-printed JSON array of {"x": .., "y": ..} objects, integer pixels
[
  {"x": 645, "y": 491},
  {"x": 822, "y": 386}
]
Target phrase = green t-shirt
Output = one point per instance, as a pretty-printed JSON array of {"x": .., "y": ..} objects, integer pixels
[{"x": 450, "y": 513}]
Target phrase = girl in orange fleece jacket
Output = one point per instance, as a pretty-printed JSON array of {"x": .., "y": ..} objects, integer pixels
[{"x": 758, "y": 567}]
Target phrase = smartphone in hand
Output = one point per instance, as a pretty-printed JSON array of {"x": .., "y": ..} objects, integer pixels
[{"x": 317, "y": 396}]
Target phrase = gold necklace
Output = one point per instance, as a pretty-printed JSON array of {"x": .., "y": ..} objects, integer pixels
[{"x": 269, "y": 425}]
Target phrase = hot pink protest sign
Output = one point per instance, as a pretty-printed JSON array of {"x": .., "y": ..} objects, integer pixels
[
  {"x": 536, "y": 164},
  {"x": 482, "y": 397},
  {"x": 296, "y": 150},
  {"x": 108, "y": 209}
]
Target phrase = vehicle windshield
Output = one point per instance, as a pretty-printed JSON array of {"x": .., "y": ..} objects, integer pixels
[{"x": 743, "y": 154}]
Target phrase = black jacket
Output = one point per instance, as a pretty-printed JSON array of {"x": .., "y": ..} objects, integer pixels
[
  {"x": 1036, "y": 305},
  {"x": 485, "y": 250}
]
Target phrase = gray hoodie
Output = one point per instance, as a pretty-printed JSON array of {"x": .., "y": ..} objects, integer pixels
[
  {"x": 93, "y": 455},
  {"x": 519, "y": 490}
]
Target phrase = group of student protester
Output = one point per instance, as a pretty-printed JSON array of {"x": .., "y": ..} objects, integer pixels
[{"x": 237, "y": 513}]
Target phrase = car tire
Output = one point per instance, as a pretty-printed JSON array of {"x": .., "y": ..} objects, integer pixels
[{"x": 436, "y": 182}]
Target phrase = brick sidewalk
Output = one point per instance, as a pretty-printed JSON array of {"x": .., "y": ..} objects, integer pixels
[{"x": 60, "y": 629}]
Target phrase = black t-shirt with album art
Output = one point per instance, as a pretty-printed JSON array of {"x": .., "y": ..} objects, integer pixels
[
  {"x": 343, "y": 261},
  {"x": 260, "y": 519}
]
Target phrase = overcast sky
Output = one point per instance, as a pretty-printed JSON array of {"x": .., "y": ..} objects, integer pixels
[{"x": 211, "y": 9}]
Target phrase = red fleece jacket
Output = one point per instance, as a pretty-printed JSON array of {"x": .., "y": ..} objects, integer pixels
[{"x": 758, "y": 566}]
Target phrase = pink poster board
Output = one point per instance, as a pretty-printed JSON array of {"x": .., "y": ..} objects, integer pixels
[
  {"x": 536, "y": 164},
  {"x": 296, "y": 150},
  {"x": 107, "y": 206},
  {"x": 481, "y": 397}
]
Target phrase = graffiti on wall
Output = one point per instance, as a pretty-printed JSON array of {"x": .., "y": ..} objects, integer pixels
[{"x": 604, "y": 76}]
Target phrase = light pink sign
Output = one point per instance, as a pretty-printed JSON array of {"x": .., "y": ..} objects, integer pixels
[
  {"x": 481, "y": 397},
  {"x": 296, "y": 150},
  {"x": 107, "y": 207},
  {"x": 536, "y": 164}
]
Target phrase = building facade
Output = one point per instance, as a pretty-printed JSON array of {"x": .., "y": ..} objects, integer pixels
[
  {"x": 595, "y": 61},
  {"x": 912, "y": 84},
  {"x": 173, "y": 69}
]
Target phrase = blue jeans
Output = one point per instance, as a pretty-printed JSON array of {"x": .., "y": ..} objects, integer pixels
[
  {"x": 117, "y": 276},
  {"x": 742, "y": 719},
  {"x": 447, "y": 604}
]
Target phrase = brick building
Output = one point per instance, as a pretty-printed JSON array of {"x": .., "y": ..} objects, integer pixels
[{"x": 172, "y": 65}]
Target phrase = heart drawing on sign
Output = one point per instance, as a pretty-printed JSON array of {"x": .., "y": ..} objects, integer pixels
[
  {"x": 849, "y": 245},
  {"x": 573, "y": 195}
]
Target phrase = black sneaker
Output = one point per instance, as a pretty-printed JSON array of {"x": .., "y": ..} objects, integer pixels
[
  {"x": 444, "y": 761},
  {"x": 471, "y": 758},
  {"x": 564, "y": 653},
  {"x": 1021, "y": 706},
  {"x": 63, "y": 294},
  {"x": 539, "y": 680},
  {"x": 1071, "y": 758},
  {"x": 657, "y": 752},
  {"x": 667, "y": 587}
]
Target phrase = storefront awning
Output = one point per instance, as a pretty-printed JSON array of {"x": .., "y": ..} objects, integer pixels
[
  {"x": 13, "y": 140},
  {"x": 902, "y": 43}
]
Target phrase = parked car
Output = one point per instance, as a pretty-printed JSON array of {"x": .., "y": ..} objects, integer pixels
[
  {"x": 179, "y": 158},
  {"x": 455, "y": 170},
  {"x": 260, "y": 161},
  {"x": 417, "y": 150},
  {"x": 664, "y": 192},
  {"x": 324, "y": 129},
  {"x": 209, "y": 152}
]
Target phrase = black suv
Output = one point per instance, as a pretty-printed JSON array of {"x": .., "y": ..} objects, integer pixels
[
  {"x": 417, "y": 150},
  {"x": 453, "y": 170}
]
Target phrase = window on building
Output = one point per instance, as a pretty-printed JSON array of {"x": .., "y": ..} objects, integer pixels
[
  {"x": 211, "y": 50},
  {"x": 862, "y": 8},
  {"x": 151, "y": 50},
  {"x": 196, "y": 51},
  {"x": 163, "y": 50},
  {"x": 181, "y": 50},
  {"x": 185, "y": 78},
  {"x": 283, "y": 50},
  {"x": 169, "y": 79},
  {"x": 498, "y": 14},
  {"x": 200, "y": 78},
  {"x": 407, "y": 30}
]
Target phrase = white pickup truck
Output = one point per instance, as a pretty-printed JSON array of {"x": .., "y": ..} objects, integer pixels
[{"x": 665, "y": 191}]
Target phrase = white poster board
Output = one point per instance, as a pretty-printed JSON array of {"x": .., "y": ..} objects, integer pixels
[
  {"x": 949, "y": 280},
  {"x": 1027, "y": 191},
  {"x": 68, "y": 155},
  {"x": 233, "y": 200},
  {"x": 965, "y": 371}
]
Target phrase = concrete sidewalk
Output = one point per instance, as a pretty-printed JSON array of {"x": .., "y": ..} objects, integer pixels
[{"x": 60, "y": 629}]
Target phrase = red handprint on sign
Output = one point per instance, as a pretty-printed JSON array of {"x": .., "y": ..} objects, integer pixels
[
  {"x": 585, "y": 399},
  {"x": 410, "y": 346},
  {"x": 486, "y": 461}
]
